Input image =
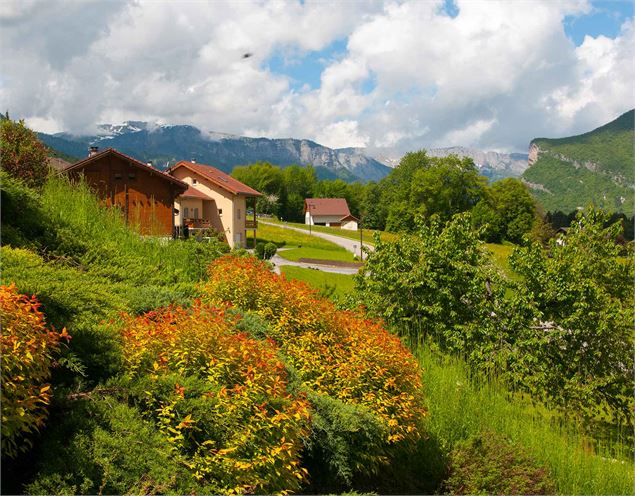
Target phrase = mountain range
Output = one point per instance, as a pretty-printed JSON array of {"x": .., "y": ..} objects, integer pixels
[
  {"x": 165, "y": 145},
  {"x": 494, "y": 165},
  {"x": 597, "y": 167}
]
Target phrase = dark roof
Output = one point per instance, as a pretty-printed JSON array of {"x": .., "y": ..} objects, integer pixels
[
  {"x": 195, "y": 193},
  {"x": 131, "y": 160},
  {"x": 327, "y": 206},
  {"x": 218, "y": 177}
]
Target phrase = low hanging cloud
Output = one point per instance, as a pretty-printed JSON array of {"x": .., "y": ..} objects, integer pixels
[{"x": 494, "y": 76}]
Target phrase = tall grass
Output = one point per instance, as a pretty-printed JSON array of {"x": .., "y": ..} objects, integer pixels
[
  {"x": 462, "y": 404},
  {"x": 112, "y": 248}
]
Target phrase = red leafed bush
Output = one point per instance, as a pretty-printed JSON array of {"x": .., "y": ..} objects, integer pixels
[
  {"x": 28, "y": 348},
  {"x": 219, "y": 397},
  {"x": 336, "y": 353}
]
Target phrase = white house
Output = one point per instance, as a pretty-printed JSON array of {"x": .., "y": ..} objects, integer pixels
[{"x": 330, "y": 212}]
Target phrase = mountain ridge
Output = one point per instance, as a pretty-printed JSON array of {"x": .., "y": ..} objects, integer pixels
[
  {"x": 164, "y": 145},
  {"x": 594, "y": 167}
]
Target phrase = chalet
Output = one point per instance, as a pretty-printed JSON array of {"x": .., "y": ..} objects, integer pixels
[
  {"x": 144, "y": 194},
  {"x": 215, "y": 200},
  {"x": 331, "y": 212}
]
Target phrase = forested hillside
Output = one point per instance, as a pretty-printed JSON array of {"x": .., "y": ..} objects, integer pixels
[{"x": 596, "y": 167}]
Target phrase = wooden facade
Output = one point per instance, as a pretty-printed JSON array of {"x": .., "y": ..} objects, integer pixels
[{"x": 144, "y": 194}]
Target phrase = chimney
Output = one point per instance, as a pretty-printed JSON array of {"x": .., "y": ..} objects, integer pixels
[{"x": 93, "y": 150}]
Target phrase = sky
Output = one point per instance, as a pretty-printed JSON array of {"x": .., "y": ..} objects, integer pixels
[{"x": 390, "y": 76}]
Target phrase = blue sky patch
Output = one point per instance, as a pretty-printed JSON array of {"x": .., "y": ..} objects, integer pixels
[
  {"x": 305, "y": 68},
  {"x": 606, "y": 18}
]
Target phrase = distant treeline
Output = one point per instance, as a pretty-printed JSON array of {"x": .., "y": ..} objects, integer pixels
[{"x": 421, "y": 186}]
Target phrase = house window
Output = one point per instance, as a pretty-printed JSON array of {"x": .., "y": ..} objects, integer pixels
[
  {"x": 194, "y": 181},
  {"x": 196, "y": 213},
  {"x": 238, "y": 214},
  {"x": 117, "y": 175},
  {"x": 186, "y": 212},
  {"x": 220, "y": 211},
  {"x": 132, "y": 176}
]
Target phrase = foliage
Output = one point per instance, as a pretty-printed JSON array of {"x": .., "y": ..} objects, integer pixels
[
  {"x": 98, "y": 445},
  {"x": 489, "y": 464},
  {"x": 560, "y": 329},
  {"x": 219, "y": 398},
  {"x": 580, "y": 297},
  {"x": 335, "y": 354},
  {"x": 507, "y": 213},
  {"x": 23, "y": 156},
  {"x": 265, "y": 251},
  {"x": 28, "y": 351},
  {"x": 433, "y": 282},
  {"x": 423, "y": 185}
]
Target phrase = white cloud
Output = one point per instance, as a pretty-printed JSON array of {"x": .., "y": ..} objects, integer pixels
[
  {"x": 342, "y": 134},
  {"x": 497, "y": 75}
]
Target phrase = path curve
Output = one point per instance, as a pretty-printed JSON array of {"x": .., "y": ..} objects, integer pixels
[{"x": 351, "y": 245}]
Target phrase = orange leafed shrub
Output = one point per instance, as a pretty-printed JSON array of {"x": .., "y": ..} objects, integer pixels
[
  {"x": 337, "y": 353},
  {"x": 219, "y": 397},
  {"x": 28, "y": 348}
]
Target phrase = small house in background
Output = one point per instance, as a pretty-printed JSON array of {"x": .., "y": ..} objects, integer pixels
[
  {"x": 330, "y": 212},
  {"x": 215, "y": 200},
  {"x": 144, "y": 194}
]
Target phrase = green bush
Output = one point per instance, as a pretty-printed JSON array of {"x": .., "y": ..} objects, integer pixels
[
  {"x": 259, "y": 251},
  {"x": 270, "y": 250},
  {"x": 106, "y": 447},
  {"x": 489, "y": 464}
]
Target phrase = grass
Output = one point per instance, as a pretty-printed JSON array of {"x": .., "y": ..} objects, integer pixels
[
  {"x": 461, "y": 405},
  {"x": 327, "y": 282},
  {"x": 317, "y": 253},
  {"x": 301, "y": 245},
  {"x": 368, "y": 234},
  {"x": 500, "y": 255}
]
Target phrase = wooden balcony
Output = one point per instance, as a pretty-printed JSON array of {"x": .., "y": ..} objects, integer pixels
[
  {"x": 251, "y": 224},
  {"x": 197, "y": 223}
]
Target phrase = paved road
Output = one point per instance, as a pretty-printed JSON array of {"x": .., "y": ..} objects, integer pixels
[{"x": 351, "y": 245}]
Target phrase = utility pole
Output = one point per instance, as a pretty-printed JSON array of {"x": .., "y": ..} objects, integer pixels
[{"x": 361, "y": 239}]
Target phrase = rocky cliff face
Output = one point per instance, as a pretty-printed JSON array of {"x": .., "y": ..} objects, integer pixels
[
  {"x": 494, "y": 164},
  {"x": 165, "y": 145}
]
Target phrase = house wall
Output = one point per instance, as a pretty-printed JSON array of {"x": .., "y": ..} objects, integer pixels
[
  {"x": 326, "y": 219},
  {"x": 144, "y": 198},
  {"x": 350, "y": 225},
  {"x": 232, "y": 218}
]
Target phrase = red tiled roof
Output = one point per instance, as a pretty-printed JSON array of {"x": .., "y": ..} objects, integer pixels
[
  {"x": 327, "y": 206},
  {"x": 194, "y": 193},
  {"x": 133, "y": 161},
  {"x": 218, "y": 177}
]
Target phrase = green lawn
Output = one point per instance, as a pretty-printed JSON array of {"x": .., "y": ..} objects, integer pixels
[
  {"x": 344, "y": 233},
  {"x": 327, "y": 282},
  {"x": 500, "y": 254},
  {"x": 297, "y": 253},
  {"x": 288, "y": 238}
]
